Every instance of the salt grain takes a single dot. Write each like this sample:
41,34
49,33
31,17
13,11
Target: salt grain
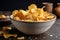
51,35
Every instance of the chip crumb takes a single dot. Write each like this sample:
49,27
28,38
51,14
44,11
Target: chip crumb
20,38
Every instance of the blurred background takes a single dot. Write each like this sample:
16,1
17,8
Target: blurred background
10,5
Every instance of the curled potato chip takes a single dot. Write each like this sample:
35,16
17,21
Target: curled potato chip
3,16
30,16
41,11
32,6
15,12
16,18
34,12
24,12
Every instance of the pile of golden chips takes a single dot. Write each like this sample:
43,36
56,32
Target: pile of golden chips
32,14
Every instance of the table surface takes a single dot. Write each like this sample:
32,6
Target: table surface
52,34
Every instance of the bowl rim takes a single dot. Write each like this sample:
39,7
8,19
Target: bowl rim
11,17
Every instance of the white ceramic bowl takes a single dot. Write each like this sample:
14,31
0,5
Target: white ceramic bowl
33,27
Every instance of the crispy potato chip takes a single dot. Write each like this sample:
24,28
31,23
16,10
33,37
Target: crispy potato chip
41,11
3,16
30,17
15,12
24,12
32,6
9,35
16,18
